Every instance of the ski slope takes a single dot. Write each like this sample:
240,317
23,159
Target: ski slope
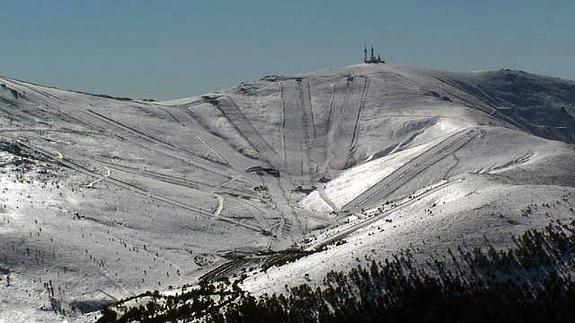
110,197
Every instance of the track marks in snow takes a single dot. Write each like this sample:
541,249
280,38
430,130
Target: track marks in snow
450,169
184,182
370,220
220,207
75,166
298,126
223,269
286,229
40,90
325,198
409,170
289,218
355,134
160,146
344,122
197,137
91,184
245,128
495,168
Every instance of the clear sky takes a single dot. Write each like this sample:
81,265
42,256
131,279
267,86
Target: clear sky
169,49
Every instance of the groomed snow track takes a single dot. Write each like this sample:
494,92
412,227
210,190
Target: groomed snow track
73,165
184,182
409,170
298,128
167,148
198,138
223,270
343,124
343,233
245,128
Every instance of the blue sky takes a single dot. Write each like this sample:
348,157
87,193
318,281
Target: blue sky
170,49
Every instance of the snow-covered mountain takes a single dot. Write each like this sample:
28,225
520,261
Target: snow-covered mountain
103,198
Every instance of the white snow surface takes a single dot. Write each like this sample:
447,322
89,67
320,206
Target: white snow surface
110,197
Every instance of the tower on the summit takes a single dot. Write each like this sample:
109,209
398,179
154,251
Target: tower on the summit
372,59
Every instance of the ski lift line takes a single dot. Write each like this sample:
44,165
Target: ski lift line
364,93
390,180
172,179
222,159
413,167
345,119
14,114
150,139
144,135
66,162
296,129
304,107
70,117
304,96
347,231
326,152
396,178
283,132
46,130
245,128
156,176
221,143
311,109
333,123
484,102
35,89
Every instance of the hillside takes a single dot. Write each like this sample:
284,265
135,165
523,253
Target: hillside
104,198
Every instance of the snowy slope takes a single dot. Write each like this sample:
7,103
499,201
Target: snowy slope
109,197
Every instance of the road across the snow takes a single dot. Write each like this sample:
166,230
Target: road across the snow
409,170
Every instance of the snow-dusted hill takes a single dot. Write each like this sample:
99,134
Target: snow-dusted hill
104,198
